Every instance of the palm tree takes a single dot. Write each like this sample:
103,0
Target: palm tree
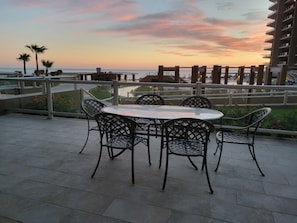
47,64
37,50
25,58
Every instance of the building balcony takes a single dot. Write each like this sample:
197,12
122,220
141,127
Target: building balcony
283,55
268,56
43,178
287,28
270,32
274,6
282,63
272,15
270,40
284,46
288,18
289,9
290,1
285,37
271,24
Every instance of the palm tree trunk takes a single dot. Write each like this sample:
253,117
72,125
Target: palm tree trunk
25,67
36,62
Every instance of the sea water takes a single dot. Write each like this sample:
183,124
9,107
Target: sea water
185,73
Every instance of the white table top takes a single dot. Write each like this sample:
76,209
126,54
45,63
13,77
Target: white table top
163,112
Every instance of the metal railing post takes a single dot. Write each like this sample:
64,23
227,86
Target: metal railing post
50,109
286,97
115,100
198,88
230,99
44,87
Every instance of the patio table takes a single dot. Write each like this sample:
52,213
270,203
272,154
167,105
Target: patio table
163,112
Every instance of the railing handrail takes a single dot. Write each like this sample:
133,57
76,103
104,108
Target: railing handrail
234,86
275,91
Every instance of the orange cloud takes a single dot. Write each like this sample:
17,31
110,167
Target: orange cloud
182,29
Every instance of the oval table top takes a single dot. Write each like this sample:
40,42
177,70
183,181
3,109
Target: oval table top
163,112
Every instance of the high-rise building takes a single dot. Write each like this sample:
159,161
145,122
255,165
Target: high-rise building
283,34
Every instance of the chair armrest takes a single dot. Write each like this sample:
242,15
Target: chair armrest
232,127
240,122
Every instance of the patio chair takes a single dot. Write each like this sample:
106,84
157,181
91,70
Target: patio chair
187,137
146,126
117,133
150,99
196,101
90,107
243,131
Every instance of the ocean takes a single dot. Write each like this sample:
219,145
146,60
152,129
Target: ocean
185,73
138,72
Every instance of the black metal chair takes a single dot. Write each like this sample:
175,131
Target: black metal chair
146,126
196,101
117,133
150,99
241,130
90,107
187,137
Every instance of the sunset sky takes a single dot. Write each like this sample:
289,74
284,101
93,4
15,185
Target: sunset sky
135,33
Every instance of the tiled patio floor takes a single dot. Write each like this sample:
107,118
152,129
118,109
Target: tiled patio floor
44,179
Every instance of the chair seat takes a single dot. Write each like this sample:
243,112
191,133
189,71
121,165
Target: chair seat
185,147
230,137
123,142
94,128
119,142
143,125
139,139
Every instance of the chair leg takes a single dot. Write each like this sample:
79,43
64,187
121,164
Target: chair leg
161,150
216,148
100,153
110,152
86,138
207,176
116,155
203,164
252,151
219,146
193,164
148,146
166,171
149,151
132,165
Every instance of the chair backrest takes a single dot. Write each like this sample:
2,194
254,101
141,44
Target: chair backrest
196,101
113,125
91,107
150,99
188,128
256,117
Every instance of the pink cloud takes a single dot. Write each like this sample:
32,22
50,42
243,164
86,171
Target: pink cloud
121,10
183,26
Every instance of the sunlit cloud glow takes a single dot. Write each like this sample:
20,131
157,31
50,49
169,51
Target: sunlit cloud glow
184,29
